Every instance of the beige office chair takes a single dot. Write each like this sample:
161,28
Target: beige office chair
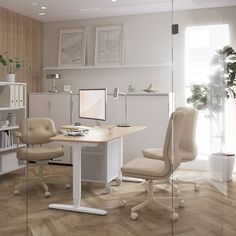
188,147
153,169
34,132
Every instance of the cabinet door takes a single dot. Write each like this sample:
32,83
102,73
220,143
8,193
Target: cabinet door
39,105
57,107
60,112
150,111
60,109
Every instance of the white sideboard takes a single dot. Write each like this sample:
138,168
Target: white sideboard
149,109
56,106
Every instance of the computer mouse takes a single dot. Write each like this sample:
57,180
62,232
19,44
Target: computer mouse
77,124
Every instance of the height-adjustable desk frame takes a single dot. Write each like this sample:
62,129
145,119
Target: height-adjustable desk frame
93,138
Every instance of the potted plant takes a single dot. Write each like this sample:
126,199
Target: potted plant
211,97
12,65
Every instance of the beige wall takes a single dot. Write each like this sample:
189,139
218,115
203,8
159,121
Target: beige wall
22,37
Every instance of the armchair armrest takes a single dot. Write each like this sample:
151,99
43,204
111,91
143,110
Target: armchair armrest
17,135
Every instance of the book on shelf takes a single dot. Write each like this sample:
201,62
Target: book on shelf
6,138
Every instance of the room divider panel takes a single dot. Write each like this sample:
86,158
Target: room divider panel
202,58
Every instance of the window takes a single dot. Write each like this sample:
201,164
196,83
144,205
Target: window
201,44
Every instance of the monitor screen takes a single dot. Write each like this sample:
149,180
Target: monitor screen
92,103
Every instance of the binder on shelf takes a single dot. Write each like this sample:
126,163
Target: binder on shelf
12,95
6,139
21,96
16,95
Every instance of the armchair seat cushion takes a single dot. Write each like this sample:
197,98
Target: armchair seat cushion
40,153
155,153
144,168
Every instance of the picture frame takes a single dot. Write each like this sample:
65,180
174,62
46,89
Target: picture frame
109,45
72,44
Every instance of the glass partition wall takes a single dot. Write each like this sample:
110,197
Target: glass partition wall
204,78
194,47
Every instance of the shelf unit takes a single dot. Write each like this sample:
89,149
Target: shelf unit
90,67
12,100
9,128
11,108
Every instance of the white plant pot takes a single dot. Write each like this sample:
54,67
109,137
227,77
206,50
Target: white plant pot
221,167
10,77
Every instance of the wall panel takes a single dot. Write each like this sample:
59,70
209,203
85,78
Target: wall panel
22,36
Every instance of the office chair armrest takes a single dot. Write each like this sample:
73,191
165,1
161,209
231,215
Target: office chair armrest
18,135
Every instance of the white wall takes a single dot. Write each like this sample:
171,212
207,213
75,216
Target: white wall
144,43
147,40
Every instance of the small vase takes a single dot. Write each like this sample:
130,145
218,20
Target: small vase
10,77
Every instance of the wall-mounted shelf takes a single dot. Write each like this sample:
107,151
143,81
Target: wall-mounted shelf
159,65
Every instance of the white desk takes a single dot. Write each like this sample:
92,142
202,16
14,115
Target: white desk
94,137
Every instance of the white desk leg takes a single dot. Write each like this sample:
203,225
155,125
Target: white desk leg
76,155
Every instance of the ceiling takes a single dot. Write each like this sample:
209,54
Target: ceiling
58,10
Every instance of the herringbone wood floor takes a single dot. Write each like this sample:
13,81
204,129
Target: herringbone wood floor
207,213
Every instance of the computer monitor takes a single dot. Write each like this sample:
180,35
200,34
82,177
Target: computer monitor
92,103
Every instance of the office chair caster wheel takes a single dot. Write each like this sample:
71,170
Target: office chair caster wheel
108,189
174,216
122,203
118,181
16,192
182,204
68,186
196,187
134,216
47,194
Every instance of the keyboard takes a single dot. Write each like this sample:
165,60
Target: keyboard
81,132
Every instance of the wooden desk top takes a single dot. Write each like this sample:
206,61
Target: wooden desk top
99,135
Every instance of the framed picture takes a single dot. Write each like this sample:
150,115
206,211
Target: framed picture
72,47
109,45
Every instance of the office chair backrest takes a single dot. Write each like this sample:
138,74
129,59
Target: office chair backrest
37,130
172,142
188,137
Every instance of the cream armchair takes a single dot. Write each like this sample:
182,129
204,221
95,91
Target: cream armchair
158,170
187,148
34,132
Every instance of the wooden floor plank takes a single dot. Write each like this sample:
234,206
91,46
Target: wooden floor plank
205,213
